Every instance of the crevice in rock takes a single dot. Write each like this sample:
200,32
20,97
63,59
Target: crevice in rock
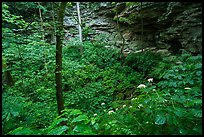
175,46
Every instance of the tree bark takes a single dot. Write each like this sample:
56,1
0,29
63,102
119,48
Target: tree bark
80,30
123,39
7,77
142,29
41,20
53,39
58,75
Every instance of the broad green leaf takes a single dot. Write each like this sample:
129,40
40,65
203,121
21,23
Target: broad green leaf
80,118
198,73
56,122
75,112
82,128
58,130
198,66
160,120
15,113
21,131
7,116
96,126
197,113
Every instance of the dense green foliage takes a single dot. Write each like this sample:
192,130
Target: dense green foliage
146,94
143,61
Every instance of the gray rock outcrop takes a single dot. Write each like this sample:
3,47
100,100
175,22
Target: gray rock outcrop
171,26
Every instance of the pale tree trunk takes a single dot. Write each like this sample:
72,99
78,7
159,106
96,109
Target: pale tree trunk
42,32
80,30
58,75
142,29
41,20
53,39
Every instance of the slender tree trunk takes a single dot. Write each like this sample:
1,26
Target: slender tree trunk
123,39
58,75
7,77
42,32
142,30
80,30
41,20
53,39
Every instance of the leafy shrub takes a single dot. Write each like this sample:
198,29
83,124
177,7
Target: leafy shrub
86,32
186,74
13,114
98,54
21,110
143,61
71,52
161,108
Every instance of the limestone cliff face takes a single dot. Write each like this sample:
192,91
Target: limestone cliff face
171,26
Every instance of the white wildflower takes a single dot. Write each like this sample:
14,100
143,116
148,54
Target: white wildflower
179,62
140,105
102,104
95,115
187,88
141,86
154,90
124,106
111,112
150,80
116,109
130,106
147,122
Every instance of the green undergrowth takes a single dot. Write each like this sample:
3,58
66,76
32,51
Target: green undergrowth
102,94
